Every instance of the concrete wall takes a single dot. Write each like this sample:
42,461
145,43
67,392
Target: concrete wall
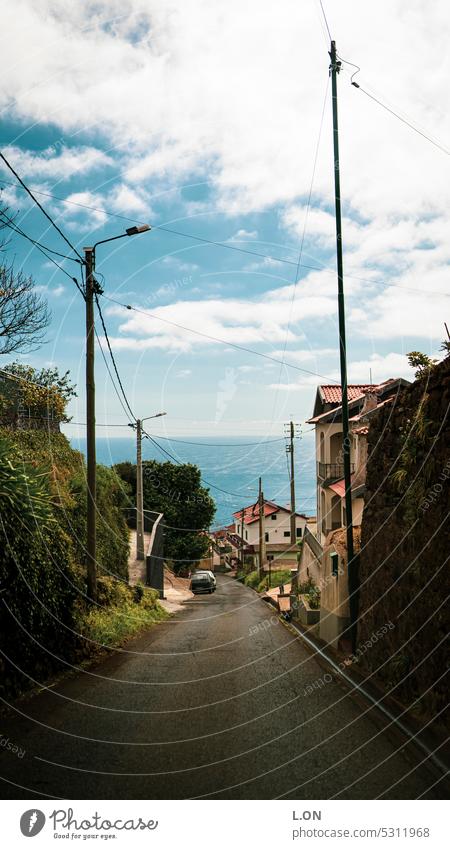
155,557
310,564
334,610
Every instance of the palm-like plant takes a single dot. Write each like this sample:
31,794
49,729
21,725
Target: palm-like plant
24,489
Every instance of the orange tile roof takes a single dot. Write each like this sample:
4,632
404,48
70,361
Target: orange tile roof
332,392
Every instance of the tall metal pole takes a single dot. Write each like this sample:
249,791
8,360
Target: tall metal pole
91,561
261,530
335,67
293,523
139,494
242,538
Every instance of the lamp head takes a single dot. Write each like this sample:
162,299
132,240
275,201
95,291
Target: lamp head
142,228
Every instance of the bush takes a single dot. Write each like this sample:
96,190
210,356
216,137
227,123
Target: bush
122,612
252,579
40,585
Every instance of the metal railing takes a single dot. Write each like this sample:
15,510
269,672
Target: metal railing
332,471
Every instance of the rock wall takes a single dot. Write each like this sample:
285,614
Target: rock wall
405,545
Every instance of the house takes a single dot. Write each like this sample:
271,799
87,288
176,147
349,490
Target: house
276,529
323,556
364,401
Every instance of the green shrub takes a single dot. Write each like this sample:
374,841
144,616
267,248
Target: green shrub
122,612
252,579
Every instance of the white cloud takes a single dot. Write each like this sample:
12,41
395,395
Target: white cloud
229,97
184,372
57,162
243,235
236,320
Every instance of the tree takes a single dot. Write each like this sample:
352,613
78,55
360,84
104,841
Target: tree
188,508
422,363
24,315
44,391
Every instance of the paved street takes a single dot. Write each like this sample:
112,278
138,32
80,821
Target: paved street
211,703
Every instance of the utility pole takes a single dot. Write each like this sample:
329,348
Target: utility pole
89,258
261,531
242,537
335,67
93,288
290,450
139,494
140,552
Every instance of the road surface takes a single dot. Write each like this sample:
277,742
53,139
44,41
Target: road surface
217,702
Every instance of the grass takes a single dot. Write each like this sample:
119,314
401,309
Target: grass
276,578
123,613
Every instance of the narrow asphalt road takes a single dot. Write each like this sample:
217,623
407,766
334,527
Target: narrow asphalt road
214,704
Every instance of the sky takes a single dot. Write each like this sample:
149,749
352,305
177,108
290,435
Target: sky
214,120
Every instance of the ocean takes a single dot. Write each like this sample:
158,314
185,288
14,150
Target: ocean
230,467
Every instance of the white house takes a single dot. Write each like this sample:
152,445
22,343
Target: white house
276,527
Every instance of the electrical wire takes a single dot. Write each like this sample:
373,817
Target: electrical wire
44,211
179,463
390,110
219,244
217,339
403,120
187,442
50,258
305,222
110,373
13,226
113,358
325,19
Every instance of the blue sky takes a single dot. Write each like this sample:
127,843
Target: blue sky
205,118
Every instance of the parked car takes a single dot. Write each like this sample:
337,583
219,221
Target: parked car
203,582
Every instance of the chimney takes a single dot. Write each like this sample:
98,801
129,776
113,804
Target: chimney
370,401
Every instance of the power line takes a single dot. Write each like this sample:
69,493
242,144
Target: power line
30,193
113,358
217,339
178,463
50,258
325,19
187,442
390,110
109,372
403,120
308,205
15,227
239,250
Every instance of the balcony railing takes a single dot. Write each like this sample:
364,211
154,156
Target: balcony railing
332,471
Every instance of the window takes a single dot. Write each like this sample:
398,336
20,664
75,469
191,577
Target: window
246,535
270,556
273,516
287,533
299,532
266,537
334,564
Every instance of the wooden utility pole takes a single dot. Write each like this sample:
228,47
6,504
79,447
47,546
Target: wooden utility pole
242,538
335,67
139,494
290,451
91,560
261,531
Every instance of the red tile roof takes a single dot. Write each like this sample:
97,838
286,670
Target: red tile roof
251,513
332,392
339,487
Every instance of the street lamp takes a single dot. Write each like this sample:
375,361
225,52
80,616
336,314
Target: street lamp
140,554
91,289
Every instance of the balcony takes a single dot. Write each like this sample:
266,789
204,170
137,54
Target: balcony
329,472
